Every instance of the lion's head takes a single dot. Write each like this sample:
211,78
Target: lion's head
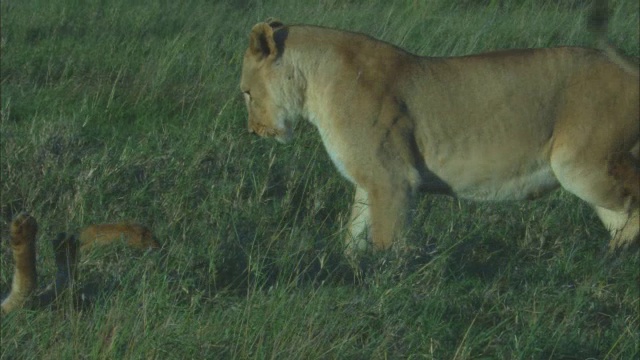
272,88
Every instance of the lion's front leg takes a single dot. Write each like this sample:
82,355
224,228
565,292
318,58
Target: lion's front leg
378,217
357,238
389,208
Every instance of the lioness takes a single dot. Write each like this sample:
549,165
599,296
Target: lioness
511,124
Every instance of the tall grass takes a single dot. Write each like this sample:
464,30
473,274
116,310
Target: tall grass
126,110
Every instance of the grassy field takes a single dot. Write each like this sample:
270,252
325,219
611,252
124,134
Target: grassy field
130,110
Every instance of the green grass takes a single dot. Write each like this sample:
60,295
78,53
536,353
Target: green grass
125,110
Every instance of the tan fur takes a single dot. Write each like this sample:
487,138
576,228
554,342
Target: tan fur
626,169
504,125
134,235
23,245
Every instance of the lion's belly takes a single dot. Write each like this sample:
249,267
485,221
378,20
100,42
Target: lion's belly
497,184
491,159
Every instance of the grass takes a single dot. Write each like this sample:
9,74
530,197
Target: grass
125,110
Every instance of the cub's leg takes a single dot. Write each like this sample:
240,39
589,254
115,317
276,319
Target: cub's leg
23,245
357,238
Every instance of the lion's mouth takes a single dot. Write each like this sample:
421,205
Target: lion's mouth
281,135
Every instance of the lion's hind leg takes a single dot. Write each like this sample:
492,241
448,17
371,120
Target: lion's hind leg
611,195
625,169
623,225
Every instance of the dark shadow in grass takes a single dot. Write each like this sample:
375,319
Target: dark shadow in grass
238,272
243,262
479,257
569,349
249,256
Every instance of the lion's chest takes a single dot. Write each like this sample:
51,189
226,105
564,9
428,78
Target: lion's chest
337,152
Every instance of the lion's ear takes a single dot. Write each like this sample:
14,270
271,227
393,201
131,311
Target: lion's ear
261,42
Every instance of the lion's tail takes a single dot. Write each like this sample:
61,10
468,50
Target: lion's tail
598,25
